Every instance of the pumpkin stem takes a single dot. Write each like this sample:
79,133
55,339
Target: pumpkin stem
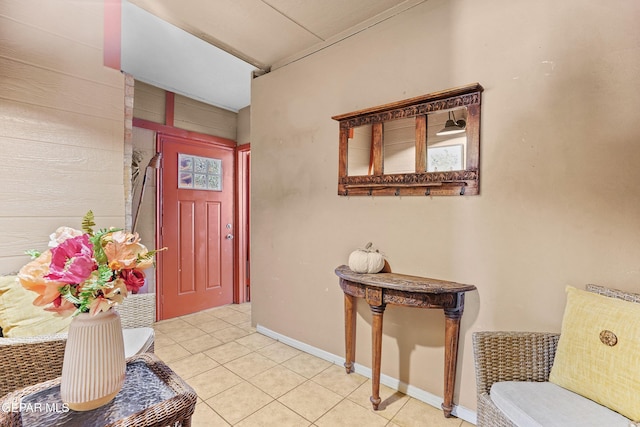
368,246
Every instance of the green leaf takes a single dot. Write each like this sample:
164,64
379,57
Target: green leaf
33,253
98,250
88,223
150,254
66,293
105,274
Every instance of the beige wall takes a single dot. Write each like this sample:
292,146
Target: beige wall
61,124
559,202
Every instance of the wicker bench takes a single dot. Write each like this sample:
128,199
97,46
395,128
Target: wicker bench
502,357
31,360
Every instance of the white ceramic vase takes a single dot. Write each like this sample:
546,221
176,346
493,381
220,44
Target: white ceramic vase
94,365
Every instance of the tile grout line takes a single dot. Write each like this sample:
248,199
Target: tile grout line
274,399
258,349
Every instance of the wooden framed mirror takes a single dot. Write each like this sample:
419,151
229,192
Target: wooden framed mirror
428,145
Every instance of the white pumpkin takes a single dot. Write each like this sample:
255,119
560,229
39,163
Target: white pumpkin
367,260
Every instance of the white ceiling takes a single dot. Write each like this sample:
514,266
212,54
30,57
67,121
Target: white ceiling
207,49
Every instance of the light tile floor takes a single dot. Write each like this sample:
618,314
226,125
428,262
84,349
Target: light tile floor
246,379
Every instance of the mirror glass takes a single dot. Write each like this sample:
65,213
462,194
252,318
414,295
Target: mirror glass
447,140
446,144
399,146
359,158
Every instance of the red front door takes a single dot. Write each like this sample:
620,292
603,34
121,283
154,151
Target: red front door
197,227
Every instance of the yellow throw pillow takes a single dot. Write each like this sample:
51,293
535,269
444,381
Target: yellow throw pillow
598,353
20,318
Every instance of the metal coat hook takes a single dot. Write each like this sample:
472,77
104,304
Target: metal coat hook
371,191
397,193
427,192
462,190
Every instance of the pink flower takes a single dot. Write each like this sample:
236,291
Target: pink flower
72,260
133,279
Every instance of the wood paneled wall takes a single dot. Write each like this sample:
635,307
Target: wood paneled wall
148,102
189,114
197,116
61,124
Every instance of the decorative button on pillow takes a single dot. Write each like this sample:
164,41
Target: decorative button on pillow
598,354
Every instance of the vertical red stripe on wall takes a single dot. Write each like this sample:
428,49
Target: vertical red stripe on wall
112,29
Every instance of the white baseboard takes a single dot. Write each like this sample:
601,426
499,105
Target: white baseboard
415,392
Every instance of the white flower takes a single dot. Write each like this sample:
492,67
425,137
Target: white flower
62,234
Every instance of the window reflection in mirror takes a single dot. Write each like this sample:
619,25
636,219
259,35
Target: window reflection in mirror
446,141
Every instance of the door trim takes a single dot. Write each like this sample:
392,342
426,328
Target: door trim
242,286
173,131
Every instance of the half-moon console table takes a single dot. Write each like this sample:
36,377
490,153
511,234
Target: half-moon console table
398,289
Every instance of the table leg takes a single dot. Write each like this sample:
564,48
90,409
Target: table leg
349,331
376,339
451,338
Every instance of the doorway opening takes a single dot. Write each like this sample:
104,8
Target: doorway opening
205,227
197,223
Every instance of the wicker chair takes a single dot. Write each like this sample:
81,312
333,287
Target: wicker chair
517,356
31,360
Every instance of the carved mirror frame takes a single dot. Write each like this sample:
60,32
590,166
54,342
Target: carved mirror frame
421,182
